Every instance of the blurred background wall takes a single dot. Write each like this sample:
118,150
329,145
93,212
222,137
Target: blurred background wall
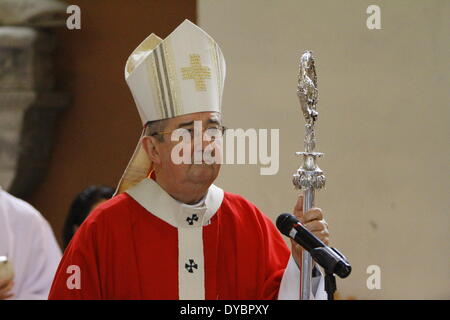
383,119
383,126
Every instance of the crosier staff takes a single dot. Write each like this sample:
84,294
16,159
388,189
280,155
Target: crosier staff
309,176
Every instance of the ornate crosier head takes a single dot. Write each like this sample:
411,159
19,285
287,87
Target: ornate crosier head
309,175
307,87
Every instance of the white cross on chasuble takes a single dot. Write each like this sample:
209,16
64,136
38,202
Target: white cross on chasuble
189,221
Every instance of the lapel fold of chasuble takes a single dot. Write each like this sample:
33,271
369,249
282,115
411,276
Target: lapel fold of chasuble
189,221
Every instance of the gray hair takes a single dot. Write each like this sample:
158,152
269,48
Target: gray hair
153,129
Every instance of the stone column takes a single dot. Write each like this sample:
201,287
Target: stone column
29,106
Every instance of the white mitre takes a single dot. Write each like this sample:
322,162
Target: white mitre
181,74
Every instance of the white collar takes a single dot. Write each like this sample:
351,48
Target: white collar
157,201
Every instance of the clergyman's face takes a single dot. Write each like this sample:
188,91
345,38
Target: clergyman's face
197,170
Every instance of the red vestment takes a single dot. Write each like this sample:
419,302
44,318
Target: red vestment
125,252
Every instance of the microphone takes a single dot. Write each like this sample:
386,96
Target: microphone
328,258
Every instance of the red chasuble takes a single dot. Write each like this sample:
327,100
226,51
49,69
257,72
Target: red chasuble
123,251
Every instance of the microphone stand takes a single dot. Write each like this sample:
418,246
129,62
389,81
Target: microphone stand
330,279
329,264
330,285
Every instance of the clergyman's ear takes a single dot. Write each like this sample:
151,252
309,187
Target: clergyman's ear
150,146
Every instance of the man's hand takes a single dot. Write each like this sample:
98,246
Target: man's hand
314,222
5,288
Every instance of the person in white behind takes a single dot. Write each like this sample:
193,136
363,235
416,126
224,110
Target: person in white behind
28,241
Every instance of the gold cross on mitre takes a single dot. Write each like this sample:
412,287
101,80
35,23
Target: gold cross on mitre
197,72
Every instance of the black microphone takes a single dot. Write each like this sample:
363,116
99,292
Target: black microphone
328,258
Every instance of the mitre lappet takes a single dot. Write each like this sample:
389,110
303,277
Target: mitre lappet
182,74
